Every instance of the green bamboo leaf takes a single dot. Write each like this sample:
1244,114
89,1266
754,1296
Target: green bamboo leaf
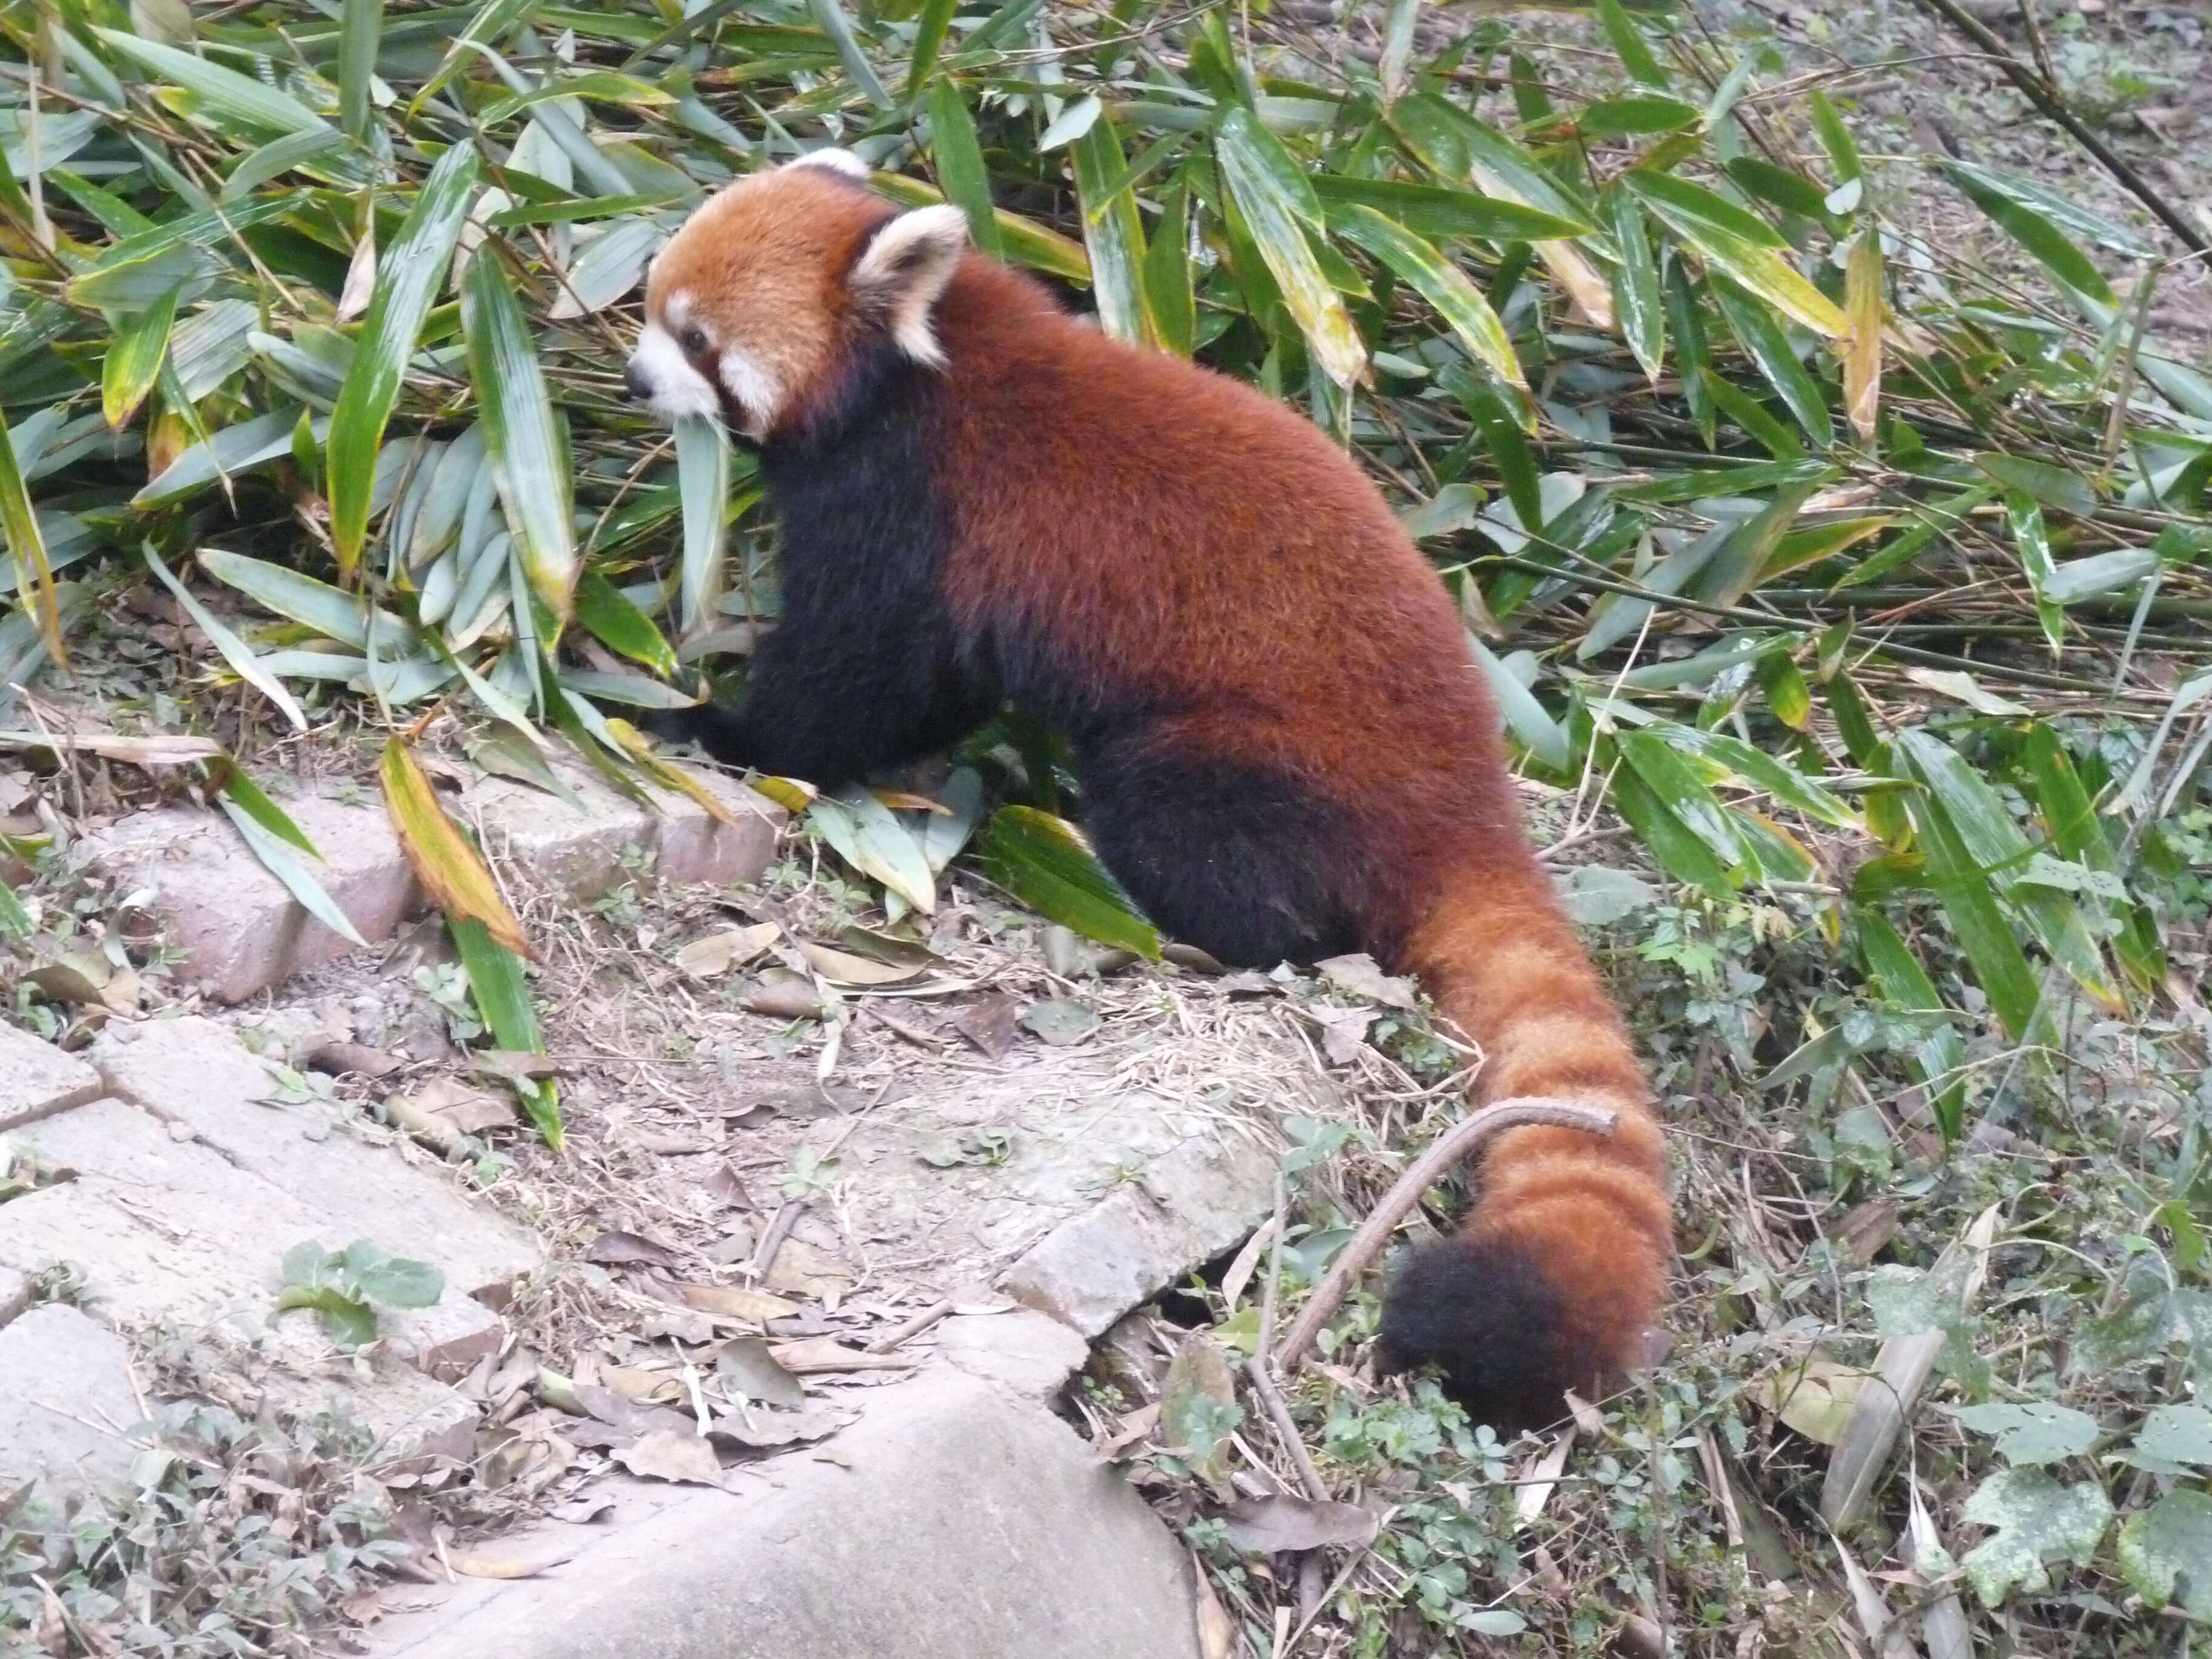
1941,1058
1680,851
235,651
1739,244
1836,138
321,144
1693,354
14,921
361,28
500,991
2078,832
1113,233
2048,205
702,466
331,611
1027,242
2053,486
1672,782
407,279
1962,886
1455,145
1621,118
1635,298
525,436
867,835
26,548
284,863
239,96
2032,227
1793,193
1044,862
929,27
1169,288
960,169
1434,211
2031,539
1761,771
1259,173
1528,720
1436,280
620,626
1629,44
1766,344
839,28
1499,414
134,359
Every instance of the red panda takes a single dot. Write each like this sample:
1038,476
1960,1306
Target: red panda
1285,749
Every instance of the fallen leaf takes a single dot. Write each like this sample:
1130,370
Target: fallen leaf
341,1058
1247,1262
990,1025
726,1184
762,1430
1362,976
745,1366
78,978
802,1269
1261,1525
781,995
1343,1030
843,968
1866,1229
620,1412
615,1248
1814,1397
734,1302
1199,1412
511,1557
717,953
671,1457
1217,1631
1058,1022
1134,1428
583,1508
444,1110
641,1387
818,1354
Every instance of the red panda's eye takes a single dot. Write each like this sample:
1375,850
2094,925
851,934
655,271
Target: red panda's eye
693,340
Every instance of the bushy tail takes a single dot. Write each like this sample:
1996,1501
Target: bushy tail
1556,1277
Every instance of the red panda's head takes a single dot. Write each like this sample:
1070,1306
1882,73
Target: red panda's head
757,298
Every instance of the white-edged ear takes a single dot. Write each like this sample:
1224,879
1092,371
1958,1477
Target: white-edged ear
904,270
842,162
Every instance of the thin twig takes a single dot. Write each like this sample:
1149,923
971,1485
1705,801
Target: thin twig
911,1328
1445,1152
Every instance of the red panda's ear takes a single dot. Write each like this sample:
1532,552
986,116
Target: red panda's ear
842,163
905,267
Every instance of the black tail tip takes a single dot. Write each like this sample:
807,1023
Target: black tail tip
1500,1333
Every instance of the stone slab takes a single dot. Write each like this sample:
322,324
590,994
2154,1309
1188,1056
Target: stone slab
955,1521
66,1402
241,932
37,1079
1185,1208
197,1075
171,1232
1032,1353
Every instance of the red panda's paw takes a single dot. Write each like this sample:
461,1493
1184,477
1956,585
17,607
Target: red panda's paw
1511,1323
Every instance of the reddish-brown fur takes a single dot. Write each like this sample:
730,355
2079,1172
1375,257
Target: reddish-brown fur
1185,540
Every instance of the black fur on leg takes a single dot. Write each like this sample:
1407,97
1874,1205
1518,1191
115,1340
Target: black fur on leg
1482,1312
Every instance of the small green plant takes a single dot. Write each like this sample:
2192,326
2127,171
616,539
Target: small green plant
345,1287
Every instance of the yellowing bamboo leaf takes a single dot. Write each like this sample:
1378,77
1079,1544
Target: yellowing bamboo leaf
1862,356
443,858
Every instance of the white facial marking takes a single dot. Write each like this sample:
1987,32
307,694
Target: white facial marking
752,387
837,161
676,388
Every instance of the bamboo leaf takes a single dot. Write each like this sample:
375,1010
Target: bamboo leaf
239,96
1044,862
1739,244
1629,44
839,28
1113,233
283,862
1169,288
702,466
1439,282
1636,296
329,611
867,836
361,28
2032,541
1940,1057
1758,334
525,436
442,858
500,991
27,547
235,651
134,359
616,623
1259,174
929,27
1863,355
960,169
413,268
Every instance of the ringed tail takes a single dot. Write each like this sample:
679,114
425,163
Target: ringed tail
1556,1277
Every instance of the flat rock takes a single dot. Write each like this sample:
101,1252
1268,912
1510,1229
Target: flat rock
37,1079
1185,1207
955,1521
66,1402
1030,1352
241,931
196,1075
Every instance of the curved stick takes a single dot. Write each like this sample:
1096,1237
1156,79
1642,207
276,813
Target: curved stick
1445,1150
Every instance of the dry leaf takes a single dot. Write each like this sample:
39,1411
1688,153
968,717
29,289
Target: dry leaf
1343,1030
819,1354
645,1388
1134,1428
615,1248
990,1025
1815,1398
444,860
843,968
1247,1262
745,1366
717,953
735,1301
510,1558
1058,1022
666,1455
1261,1525
805,1270
783,995
1217,1631
1361,975
762,1430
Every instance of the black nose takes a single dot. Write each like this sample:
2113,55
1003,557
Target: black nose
634,382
